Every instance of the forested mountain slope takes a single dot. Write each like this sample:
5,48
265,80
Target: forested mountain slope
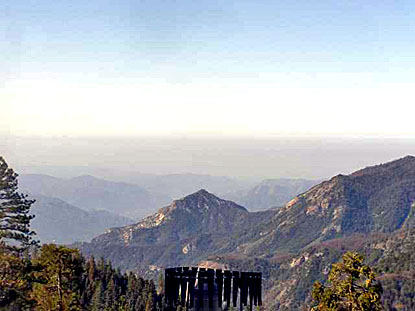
289,277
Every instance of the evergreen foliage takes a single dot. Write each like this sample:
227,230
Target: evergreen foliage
14,211
353,287
58,278
16,277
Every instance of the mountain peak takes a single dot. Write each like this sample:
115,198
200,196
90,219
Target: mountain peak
187,228
202,191
202,199
201,194
378,198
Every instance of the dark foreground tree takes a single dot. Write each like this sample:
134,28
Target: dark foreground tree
58,286
14,211
16,278
16,270
353,287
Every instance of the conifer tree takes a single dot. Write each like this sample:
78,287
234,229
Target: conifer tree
97,298
16,276
14,211
160,289
133,291
60,278
15,238
110,300
353,287
89,286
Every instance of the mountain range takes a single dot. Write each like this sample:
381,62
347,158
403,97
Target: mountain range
80,208
143,194
270,193
60,222
179,185
375,199
251,194
91,193
350,209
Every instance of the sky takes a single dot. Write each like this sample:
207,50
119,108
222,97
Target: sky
242,68
253,158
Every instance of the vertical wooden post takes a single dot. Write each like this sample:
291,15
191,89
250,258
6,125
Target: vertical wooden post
227,284
219,282
235,287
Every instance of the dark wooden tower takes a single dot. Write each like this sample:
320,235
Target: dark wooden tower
209,289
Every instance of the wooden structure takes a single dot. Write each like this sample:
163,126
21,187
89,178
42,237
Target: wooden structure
209,289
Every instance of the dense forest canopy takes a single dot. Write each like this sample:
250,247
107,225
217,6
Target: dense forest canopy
57,277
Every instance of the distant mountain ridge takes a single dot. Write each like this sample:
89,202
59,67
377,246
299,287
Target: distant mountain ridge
252,195
271,193
140,195
91,193
179,185
59,222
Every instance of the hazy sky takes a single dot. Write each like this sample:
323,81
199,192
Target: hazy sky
130,67
317,157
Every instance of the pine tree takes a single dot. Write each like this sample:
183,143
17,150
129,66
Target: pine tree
353,287
16,270
61,275
14,211
16,277
149,294
110,299
160,289
90,278
134,289
97,298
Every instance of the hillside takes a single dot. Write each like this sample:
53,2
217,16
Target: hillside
289,276
59,222
184,232
374,199
90,193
